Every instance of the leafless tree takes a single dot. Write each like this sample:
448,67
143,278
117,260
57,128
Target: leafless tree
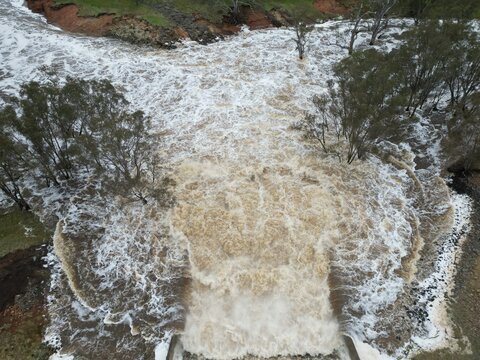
357,25
301,37
381,10
235,8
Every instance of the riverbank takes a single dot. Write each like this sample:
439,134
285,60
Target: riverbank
164,23
464,303
24,282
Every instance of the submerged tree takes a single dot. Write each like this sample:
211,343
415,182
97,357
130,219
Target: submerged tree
77,129
13,164
381,11
420,63
362,105
357,25
302,30
357,17
437,57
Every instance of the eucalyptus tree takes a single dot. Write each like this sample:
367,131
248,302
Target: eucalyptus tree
381,12
76,130
362,105
302,31
13,162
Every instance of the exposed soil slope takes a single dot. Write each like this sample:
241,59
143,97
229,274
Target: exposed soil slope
183,25
331,7
66,17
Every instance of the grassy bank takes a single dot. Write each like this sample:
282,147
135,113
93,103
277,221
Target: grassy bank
20,230
23,281
120,8
211,10
159,12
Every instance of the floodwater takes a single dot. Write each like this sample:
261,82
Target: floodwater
272,248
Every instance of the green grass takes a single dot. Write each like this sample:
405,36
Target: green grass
157,20
212,10
118,7
20,230
209,9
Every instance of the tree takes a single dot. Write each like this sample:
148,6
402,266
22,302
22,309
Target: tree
12,162
302,31
448,9
358,14
381,10
126,148
463,141
462,68
436,57
361,105
357,25
420,63
78,129
235,7
417,9
50,118
316,125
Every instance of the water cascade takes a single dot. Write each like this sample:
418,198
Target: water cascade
241,264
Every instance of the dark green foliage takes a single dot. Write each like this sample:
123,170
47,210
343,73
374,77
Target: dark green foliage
439,9
366,101
463,141
420,62
12,162
415,8
71,131
462,68
362,107
440,58
373,94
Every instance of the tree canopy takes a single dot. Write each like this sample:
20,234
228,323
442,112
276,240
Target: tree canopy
65,133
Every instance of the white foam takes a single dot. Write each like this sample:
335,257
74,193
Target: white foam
224,112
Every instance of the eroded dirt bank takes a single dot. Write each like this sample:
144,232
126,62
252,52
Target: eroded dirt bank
183,26
66,17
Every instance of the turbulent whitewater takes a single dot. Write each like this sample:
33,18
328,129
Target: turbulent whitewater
271,249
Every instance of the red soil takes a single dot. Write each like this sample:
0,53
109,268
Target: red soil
256,20
330,7
67,18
